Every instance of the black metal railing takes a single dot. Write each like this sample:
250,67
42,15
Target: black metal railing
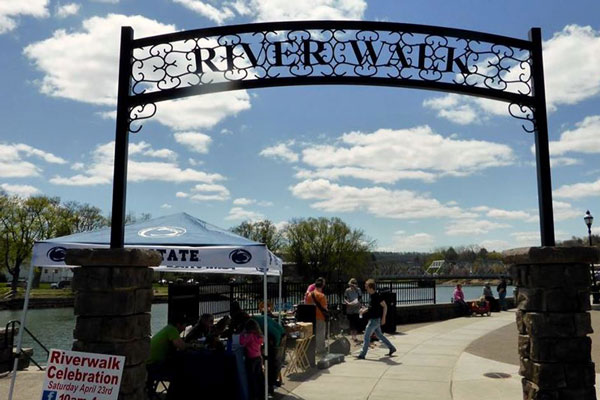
216,298
11,327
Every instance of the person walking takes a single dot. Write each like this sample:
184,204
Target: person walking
376,314
501,288
489,296
352,299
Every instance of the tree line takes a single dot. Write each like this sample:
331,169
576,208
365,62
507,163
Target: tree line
321,246
23,221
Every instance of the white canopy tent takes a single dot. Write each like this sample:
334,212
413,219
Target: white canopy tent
187,244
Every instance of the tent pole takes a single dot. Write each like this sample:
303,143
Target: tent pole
266,335
280,304
21,329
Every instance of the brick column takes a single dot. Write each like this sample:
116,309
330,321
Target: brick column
113,299
553,299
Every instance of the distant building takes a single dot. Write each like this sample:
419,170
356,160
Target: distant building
55,275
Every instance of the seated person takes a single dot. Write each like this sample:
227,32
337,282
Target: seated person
162,347
202,329
458,298
482,302
206,328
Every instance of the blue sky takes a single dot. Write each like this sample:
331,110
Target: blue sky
416,170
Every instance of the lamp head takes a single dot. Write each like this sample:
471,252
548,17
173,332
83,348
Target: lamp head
588,218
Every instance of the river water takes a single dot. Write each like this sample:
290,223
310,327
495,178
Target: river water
54,326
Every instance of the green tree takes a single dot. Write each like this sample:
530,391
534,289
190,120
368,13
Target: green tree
22,223
261,231
77,217
450,255
328,247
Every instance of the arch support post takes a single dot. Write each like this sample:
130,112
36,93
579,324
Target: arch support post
553,300
117,230
542,152
113,300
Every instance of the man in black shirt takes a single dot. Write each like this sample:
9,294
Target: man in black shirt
376,314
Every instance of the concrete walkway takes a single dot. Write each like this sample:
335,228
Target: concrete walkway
430,364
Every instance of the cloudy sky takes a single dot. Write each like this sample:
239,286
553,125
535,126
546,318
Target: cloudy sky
416,170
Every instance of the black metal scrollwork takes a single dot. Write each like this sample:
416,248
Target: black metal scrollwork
331,52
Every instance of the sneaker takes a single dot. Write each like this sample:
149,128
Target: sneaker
359,357
391,353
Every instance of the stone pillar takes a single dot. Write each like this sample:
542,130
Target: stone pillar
113,299
553,299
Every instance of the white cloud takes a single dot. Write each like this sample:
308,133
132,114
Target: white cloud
416,242
13,165
285,10
65,10
388,155
20,190
166,206
506,214
100,170
146,149
83,66
77,166
579,190
400,204
452,109
278,10
529,238
209,192
10,10
372,175
472,227
585,138
564,211
571,76
182,195
563,161
238,213
219,15
242,201
571,58
202,111
197,142
280,151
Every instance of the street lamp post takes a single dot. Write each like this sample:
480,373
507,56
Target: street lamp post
589,219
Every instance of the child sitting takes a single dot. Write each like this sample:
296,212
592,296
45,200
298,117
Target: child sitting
252,340
482,302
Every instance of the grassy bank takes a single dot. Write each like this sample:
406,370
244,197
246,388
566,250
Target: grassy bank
44,291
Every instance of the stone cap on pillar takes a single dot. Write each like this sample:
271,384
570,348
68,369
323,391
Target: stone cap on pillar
551,255
113,257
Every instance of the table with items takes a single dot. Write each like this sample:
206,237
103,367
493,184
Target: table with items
209,374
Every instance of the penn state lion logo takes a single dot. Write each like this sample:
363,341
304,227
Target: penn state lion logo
240,256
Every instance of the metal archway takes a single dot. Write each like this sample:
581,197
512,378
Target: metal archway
194,62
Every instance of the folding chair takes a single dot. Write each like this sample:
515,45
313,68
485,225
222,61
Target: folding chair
299,360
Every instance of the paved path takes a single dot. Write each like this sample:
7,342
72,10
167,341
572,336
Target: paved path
430,364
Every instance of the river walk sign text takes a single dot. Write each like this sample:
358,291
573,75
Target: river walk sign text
72,375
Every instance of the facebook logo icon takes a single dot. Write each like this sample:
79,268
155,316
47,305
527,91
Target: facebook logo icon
49,395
